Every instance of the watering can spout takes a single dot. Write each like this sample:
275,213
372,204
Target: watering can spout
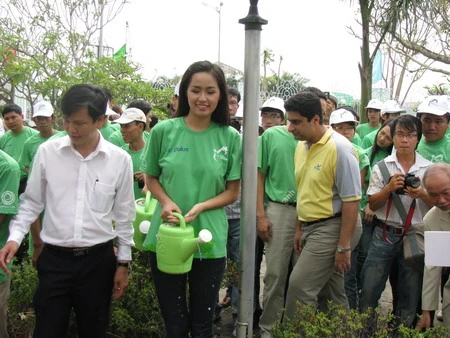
189,246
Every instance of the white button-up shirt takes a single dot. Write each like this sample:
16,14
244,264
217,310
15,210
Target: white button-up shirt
81,197
377,183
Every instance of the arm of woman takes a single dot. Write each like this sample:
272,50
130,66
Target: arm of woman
228,196
168,206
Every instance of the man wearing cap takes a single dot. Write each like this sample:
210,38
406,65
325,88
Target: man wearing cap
132,125
434,113
9,203
84,183
373,110
13,140
116,137
108,128
276,214
328,194
272,112
43,116
389,111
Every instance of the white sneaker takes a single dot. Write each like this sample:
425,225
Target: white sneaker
439,315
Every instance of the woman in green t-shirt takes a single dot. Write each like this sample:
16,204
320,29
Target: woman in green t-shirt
192,167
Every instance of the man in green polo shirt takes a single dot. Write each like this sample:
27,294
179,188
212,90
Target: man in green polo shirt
373,110
434,113
9,203
132,125
13,140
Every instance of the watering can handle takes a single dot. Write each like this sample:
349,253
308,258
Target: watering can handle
181,218
148,196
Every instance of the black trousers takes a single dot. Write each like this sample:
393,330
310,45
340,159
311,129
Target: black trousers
83,283
194,314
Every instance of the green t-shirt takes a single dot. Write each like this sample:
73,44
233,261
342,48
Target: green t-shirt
117,139
193,167
30,148
136,159
356,140
438,151
61,133
13,145
363,164
276,148
365,129
369,140
9,201
108,129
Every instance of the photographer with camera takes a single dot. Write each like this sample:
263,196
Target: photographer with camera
398,174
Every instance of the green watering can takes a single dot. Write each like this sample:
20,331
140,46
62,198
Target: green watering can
145,207
175,246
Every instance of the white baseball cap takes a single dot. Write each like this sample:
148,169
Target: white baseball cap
130,115
374,104
43,108
274,102
435,104
391,107
342,115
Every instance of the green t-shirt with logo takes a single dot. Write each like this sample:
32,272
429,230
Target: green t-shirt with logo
30,148
12,144
369,140
365,129
276,149
438,151
9,201
194,166
136,160
363,164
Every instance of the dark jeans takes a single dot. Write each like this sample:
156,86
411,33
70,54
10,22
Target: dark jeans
83,283
234,233
195,316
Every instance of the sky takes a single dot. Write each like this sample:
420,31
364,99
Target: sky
312,37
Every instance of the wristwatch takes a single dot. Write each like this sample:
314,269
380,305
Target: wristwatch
125,264
341,249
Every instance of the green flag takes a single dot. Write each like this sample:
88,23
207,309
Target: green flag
120,54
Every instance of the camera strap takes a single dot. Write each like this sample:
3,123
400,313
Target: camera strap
406,217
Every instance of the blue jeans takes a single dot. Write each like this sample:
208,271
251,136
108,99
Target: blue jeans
380,259
234,233
180,318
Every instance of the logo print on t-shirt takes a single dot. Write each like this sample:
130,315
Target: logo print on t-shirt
7,198
221,154
437,158
317,167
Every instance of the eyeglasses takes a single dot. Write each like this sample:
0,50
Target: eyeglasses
233,103
401,135
270,116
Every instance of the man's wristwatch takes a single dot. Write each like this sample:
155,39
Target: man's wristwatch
341,249
125,264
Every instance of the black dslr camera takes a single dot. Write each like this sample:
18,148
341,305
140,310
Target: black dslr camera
410,181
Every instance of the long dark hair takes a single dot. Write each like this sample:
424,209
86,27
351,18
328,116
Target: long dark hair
221,114
376,148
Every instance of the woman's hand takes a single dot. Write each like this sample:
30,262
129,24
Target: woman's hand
167,212
194,212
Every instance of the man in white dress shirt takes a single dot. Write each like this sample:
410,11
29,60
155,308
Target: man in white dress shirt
84,183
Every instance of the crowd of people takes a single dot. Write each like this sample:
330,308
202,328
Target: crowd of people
337,203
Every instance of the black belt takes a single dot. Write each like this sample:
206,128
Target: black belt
307,224
389,228
292,204
78,252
